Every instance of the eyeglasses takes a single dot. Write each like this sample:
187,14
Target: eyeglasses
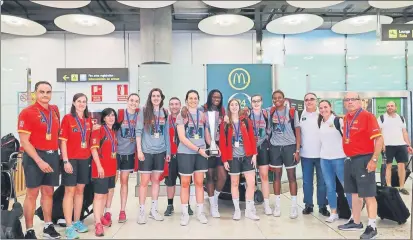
256,101
309,99
351,99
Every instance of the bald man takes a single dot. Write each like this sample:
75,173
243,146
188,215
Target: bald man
397,143
362,143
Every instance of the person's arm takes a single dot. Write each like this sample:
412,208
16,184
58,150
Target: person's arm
182,138
63,137
139,128
374,131
297,131
166,135
95,140
381,130
251,135
406,139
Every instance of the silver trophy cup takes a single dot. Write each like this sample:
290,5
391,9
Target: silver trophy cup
213,150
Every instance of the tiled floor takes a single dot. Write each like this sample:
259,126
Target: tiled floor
310,226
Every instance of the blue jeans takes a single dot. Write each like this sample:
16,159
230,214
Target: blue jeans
332,168
308,165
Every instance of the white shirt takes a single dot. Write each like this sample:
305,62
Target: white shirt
331,140
392,130
310,135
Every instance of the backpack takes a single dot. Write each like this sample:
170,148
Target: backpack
9,145
382,118
244,120
292,118
336,124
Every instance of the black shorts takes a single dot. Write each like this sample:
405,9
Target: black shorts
240,165
282,155
102,185
34,176
356,177
126,162
214,162
400,153
80,175
152,163
170,180
263,157
190,163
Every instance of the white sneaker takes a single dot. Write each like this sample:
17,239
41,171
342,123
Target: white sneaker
155,215
277,211
202,218
267,210
141,218
184,219
214,211
250,213
332,218
237,215
294,212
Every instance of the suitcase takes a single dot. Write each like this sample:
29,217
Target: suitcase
343,208
11,227
395,174
390,205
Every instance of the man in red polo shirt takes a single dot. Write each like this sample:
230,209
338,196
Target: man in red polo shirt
38,129
362,143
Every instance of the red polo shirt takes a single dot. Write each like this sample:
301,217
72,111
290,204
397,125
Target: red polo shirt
362,134
102,143
70,132
31,121
172,126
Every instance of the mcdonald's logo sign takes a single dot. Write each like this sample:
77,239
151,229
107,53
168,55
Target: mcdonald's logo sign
239,79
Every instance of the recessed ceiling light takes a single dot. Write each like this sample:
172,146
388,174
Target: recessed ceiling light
360,24
296,23
20,26
230,4
84,24
147,4
352,57
63,4
398,57
390,4
313,4
225,24
372,67
308,58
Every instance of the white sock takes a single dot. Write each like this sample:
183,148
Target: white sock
142,208
47,224
278,200
212,201
200,208
372,223
236,204
216,195
250,204
266,202
107,210
294,200
185,208
154,206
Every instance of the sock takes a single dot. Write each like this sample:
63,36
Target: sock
154,205
335,215
372,223
185,208
47,224
250,204
278,200
107,210
199,208
236,204
142,208
266,202
294,200
216,195
212,201
170,201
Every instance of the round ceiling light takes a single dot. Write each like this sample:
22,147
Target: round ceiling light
84,24
231,4
63,4
390,4
20,26
225,24
313,4
147,4
296,23
360,24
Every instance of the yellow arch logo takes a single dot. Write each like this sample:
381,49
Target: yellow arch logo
239,79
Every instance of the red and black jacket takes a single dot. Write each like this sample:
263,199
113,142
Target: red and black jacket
225,139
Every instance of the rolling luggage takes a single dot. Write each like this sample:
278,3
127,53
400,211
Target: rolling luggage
11,227
390,205
343,209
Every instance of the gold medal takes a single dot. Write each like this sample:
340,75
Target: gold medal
156,135
113,155
48,136
196,136
83,145
347,141
132,140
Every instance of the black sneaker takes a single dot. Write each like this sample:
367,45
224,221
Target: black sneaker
350,226
169,210
50,232
30,235
307,210
190,212
404,191
369,233
324,212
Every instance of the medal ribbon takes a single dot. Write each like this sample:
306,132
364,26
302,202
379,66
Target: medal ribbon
82,128
49,122
131,130
349,125
110,137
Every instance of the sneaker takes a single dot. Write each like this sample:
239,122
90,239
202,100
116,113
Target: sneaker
404,191
30,235
122,217
214,211
50,232
184,219
333,217
277,211
99,230
169,210
80,227
108,216
307,210
369,233
190,212
267,210
105,222
71,233
202,218
141,217
324,212
237,215
251,214
294,212
350,226
155,215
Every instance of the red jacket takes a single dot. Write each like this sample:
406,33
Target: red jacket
225,145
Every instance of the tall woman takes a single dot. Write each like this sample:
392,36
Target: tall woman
75,136
104,146
192,159
332,155
152,139
239,154
126,148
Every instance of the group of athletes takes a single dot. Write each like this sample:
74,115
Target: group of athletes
170,143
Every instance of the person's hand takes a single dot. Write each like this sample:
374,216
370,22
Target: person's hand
297,157
101,172
141,157
226,119
96,127
68,168
202,152
254,161
226,166
168,158
371,166
45,167
184,112
410,149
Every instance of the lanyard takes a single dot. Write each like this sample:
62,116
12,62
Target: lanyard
110,138
131,130
282,126
256,129
196,126
237,131
49,122
349,125
157,119
82,128
172,122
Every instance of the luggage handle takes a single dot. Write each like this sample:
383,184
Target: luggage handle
410,161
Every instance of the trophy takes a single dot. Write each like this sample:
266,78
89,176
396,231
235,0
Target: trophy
213,150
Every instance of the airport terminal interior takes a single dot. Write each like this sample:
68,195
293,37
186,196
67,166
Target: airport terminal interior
341,51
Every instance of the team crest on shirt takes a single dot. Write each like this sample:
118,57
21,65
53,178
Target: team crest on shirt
75,130
355,121
21,123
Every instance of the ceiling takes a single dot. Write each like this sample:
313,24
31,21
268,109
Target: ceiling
187,14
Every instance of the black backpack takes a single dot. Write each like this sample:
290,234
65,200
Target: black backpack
9,145
336,124
382,118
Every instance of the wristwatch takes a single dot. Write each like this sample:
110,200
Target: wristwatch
65,161
374,159
298,150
